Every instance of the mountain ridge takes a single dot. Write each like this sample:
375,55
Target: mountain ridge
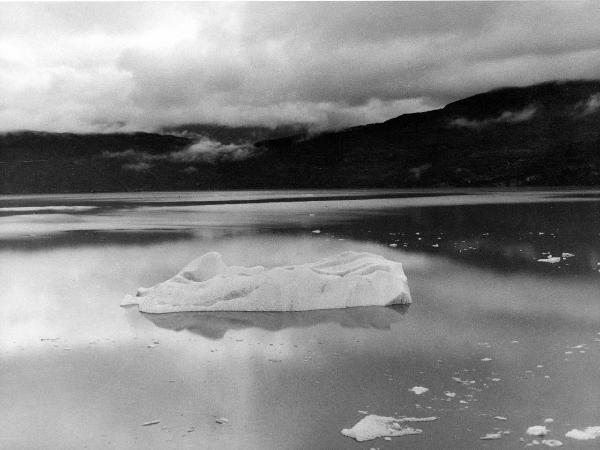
546,134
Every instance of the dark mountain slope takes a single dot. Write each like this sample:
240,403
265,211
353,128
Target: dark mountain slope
547,134
542,135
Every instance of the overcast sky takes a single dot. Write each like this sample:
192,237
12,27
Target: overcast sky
138,66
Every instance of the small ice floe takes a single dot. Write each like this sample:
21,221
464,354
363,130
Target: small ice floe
418,390
548,420
566,255
500,417
584,435
222,421
552,443
491,436
49,339
461,381
394,245
435,245
486,359
537,430
151,422
373,426
363,412
550,259
450,394
316,231
579,346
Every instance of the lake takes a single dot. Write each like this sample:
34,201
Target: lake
504,329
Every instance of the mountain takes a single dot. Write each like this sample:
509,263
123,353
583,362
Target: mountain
542,135
546,134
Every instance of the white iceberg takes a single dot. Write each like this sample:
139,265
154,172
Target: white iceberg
373,426
584,435
550,259
538,430
418,390
347,280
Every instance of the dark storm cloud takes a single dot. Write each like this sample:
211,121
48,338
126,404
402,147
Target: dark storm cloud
100,66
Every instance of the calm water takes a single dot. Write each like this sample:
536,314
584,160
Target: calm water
78,371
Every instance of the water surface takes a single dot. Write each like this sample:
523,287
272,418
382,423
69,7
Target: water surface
78,371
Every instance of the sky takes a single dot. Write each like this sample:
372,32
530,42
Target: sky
105,67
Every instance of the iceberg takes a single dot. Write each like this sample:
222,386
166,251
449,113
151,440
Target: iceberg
346,280
374,426
584,435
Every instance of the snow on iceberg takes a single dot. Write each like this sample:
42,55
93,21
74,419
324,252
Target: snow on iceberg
347,280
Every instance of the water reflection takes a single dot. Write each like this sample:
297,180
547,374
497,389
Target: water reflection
76,238
506,231
214,325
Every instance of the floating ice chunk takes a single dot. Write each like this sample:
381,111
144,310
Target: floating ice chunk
500,417
584,435
450,394
550,259
152,422
347,280
418,390
491,436
222,421
486,359
316,231
566,255
461,381
548,420
373,426
537,430
552,443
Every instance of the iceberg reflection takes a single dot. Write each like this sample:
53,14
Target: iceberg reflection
214,325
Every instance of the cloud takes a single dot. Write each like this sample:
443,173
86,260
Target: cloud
203,151
207,150
590,106
138,167
506,117
142,66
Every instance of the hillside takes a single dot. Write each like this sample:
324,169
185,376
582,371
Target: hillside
547,134
542,135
